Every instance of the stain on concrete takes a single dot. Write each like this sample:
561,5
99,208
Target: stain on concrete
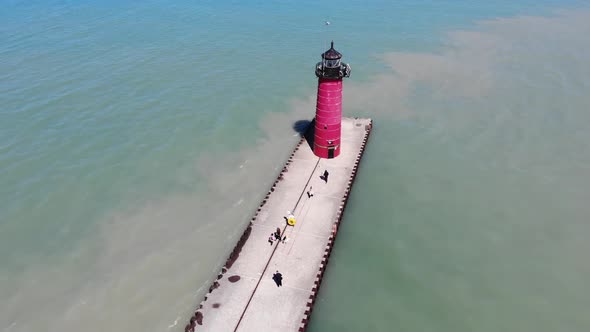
233,279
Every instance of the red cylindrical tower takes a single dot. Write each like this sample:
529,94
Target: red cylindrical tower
328,114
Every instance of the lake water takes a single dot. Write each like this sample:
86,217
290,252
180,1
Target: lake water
137,138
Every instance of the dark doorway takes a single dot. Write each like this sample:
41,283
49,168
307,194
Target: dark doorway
331,152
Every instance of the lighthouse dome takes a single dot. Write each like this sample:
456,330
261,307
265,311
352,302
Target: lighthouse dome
330,67
331,54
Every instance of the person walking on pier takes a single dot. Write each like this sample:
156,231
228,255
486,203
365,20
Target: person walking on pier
278,278
271,239
310,192
278,234
325,176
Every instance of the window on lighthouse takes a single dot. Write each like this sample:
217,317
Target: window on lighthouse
333,63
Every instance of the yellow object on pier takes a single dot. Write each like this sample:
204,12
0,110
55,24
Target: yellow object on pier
291,221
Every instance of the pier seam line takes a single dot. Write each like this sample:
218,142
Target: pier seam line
306,184
273,252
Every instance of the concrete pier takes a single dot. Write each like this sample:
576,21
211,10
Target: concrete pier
244,297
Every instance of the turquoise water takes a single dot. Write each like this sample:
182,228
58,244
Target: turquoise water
136,139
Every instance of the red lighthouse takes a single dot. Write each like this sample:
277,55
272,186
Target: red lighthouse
328,114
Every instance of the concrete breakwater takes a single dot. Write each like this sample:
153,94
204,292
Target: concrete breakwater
244,296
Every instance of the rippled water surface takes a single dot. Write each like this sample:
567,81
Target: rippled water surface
136,140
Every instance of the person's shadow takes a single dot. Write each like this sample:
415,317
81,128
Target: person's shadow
278,279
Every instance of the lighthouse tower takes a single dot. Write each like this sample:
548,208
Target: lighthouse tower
328,114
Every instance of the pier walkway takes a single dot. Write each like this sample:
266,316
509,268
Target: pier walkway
245,297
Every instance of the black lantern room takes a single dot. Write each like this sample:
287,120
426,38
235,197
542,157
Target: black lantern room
330,67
